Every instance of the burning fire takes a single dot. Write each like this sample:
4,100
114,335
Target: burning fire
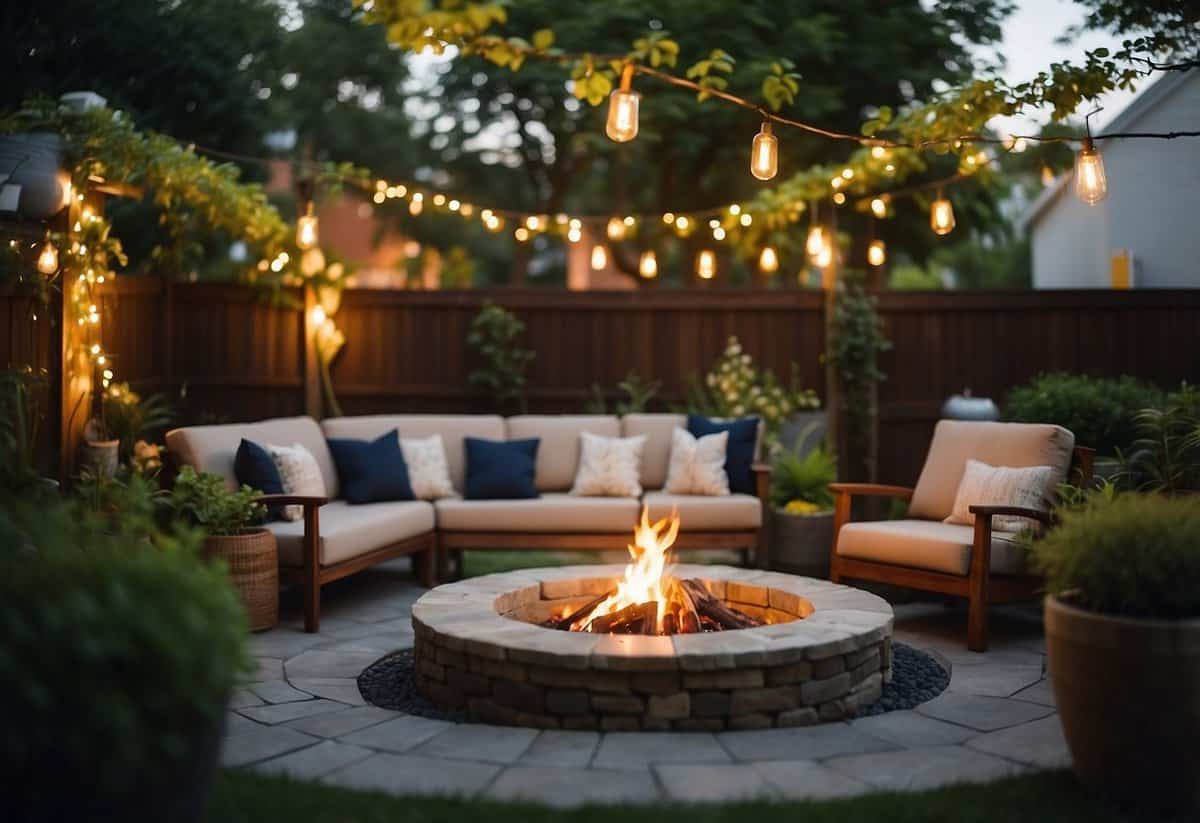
646,580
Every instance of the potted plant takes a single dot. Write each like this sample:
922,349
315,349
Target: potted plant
230,521
801,517
130,417
118,661
1123,641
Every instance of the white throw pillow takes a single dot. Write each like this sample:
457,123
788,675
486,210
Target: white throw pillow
985,485
609,466
428,471
697,466
299,474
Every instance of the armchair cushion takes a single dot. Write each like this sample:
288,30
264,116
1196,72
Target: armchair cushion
999,444
1027,488
926,544
348,531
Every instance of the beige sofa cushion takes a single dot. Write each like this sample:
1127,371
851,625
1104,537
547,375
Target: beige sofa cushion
997,444
558,451
452,427
212,448
924,544
697,513
548,513
656,457
349,531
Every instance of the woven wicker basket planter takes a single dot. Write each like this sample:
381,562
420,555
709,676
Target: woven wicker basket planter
253,560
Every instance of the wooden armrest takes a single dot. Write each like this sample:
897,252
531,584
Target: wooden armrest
760,467
871,490
290,500
1014,511
762,481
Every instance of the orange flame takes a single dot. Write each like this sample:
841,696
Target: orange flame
645,578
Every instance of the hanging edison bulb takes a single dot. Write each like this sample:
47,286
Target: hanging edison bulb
764,153
306,228
616,229
815,242
876,253
47,262
941,215
599,257
1091,184
648,264
622,125
768,260
706,264
824,258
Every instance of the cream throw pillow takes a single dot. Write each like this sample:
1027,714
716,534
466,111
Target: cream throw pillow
984,485
609,466
299,474
697,466
428,471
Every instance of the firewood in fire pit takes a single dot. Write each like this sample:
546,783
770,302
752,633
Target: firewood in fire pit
640,618
709,606
580,613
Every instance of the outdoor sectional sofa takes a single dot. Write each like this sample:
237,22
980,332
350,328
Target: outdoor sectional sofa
336,538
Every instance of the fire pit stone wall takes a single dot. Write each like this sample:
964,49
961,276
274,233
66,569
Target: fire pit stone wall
825,652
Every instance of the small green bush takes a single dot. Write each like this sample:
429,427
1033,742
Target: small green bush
117,656
804,478
496,335
1166,455
1100,412
1130,554
202,500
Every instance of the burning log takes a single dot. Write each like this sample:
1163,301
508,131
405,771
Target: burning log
640,618
579,614
708,606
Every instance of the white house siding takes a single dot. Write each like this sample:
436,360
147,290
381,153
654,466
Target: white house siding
1152,209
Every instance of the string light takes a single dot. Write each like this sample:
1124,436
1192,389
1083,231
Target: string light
599,257
318,316
768,260
824,258
706,264
532,222
764,153
47,262
574,235
616,229
522,234
876,253
839,199
669,218
879,207
1091,184
815,242
416,205
746,219
718,233
682,223
941,215
439,200
648,265
622,125
306,228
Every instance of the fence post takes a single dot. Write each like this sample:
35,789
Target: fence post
312,369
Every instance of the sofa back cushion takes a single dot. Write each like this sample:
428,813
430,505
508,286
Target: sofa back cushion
997,444
656,456
452,427
213,448
558,454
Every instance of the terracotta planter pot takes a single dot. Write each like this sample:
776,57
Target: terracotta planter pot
799,544
253,560
1128,692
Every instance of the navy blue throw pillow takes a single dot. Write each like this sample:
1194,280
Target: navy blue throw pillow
739,451
254,467
500,469
371,471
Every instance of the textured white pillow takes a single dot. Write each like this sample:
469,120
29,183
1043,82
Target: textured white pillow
697,466
985,485
609,466
299,474
428,472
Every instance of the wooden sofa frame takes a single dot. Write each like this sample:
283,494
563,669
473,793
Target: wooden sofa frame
980,587
430,551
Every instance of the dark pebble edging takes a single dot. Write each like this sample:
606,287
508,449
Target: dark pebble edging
390,683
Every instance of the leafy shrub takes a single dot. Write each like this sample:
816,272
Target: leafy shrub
736,387
20,416
202,500
117,655
1129,554
1166,455
1100,412
637,392
495,333
858,340
130,417
804,478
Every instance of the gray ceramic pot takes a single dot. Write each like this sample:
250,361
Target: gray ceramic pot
800,544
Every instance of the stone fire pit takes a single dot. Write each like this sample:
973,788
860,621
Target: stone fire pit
825,652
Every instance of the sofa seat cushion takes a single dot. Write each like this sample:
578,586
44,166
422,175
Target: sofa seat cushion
348,531
699,513
926,544
549,513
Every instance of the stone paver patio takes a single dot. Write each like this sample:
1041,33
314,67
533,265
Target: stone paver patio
301,715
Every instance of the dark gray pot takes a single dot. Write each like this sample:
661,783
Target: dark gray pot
800,544
33,161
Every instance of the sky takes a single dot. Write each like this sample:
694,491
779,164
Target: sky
1029,46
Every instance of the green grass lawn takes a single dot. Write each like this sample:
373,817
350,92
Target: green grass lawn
476,563
1048,797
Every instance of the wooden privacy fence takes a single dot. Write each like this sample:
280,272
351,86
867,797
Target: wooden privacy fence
225,355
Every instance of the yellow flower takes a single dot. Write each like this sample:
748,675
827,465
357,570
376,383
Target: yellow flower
801,507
